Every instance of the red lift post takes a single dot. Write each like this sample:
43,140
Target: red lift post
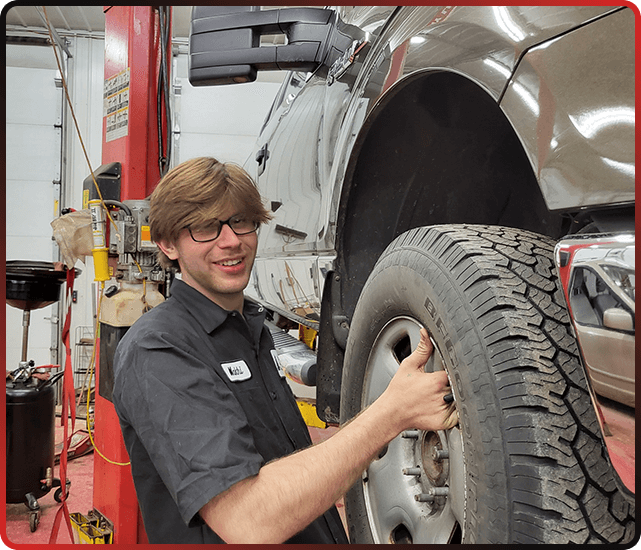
130,136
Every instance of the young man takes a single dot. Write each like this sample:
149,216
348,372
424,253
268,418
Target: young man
218,449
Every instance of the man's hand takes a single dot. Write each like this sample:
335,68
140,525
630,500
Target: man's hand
418,395
274,505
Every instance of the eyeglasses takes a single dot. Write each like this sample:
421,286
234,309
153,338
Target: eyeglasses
210,232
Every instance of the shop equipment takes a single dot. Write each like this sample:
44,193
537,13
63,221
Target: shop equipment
31,402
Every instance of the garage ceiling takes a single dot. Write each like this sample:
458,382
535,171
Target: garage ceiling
90,19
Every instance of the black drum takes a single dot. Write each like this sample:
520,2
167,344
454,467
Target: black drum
31,402
30,438
33,285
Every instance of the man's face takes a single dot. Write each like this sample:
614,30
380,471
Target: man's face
219,269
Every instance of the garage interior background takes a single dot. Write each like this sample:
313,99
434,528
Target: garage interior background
45,165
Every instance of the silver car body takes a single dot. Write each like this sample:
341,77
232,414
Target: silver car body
562,76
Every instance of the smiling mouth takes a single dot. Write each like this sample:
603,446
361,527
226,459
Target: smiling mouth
229,263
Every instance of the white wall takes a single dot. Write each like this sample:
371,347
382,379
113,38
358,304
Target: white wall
85,81
221,121
216,121
32,152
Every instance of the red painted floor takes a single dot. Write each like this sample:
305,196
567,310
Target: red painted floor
621,445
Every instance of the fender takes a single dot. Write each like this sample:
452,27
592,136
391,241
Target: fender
520,39
488,66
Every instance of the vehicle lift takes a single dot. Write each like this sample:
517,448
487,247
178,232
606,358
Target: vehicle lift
135,126
136,54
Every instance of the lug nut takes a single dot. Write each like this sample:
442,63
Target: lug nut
440,454
424,497
439,491
410,434
411,471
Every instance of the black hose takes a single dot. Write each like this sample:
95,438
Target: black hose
121,205
164,159
166,80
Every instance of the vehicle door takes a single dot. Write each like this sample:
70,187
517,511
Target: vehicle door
293,160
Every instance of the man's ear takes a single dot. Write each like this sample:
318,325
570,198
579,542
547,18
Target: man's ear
169,249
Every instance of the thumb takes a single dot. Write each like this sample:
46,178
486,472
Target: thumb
451,418
422,353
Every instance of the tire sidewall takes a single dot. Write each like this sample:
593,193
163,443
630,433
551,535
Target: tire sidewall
412,283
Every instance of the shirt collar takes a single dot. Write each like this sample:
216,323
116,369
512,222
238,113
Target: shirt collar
209,314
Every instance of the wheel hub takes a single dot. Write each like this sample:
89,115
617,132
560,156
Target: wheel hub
413,491
434,459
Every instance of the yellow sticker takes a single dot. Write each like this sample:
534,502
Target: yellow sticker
85,199
145,233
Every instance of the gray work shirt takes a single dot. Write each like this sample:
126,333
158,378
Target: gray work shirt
203,405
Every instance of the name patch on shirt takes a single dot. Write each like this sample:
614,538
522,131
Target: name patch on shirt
237,371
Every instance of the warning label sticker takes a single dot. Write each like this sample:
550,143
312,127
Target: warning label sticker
116,105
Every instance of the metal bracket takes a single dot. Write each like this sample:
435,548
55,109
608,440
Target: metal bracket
340,328
62,43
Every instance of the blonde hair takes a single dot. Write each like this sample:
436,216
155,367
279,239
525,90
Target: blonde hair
197,191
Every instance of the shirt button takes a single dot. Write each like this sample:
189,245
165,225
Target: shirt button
272,394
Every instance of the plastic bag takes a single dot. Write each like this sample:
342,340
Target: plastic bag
73,234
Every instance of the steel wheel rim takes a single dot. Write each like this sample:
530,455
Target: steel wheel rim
390,487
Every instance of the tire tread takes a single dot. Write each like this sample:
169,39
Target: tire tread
560,484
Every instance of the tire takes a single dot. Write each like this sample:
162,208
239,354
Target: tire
57,496
34,521
527,463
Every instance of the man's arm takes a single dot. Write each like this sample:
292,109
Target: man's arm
289,493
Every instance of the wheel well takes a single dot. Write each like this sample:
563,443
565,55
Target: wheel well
437,150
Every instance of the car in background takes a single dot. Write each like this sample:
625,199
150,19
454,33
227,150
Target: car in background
601,296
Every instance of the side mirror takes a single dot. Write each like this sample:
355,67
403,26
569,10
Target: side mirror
618,319
224,42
